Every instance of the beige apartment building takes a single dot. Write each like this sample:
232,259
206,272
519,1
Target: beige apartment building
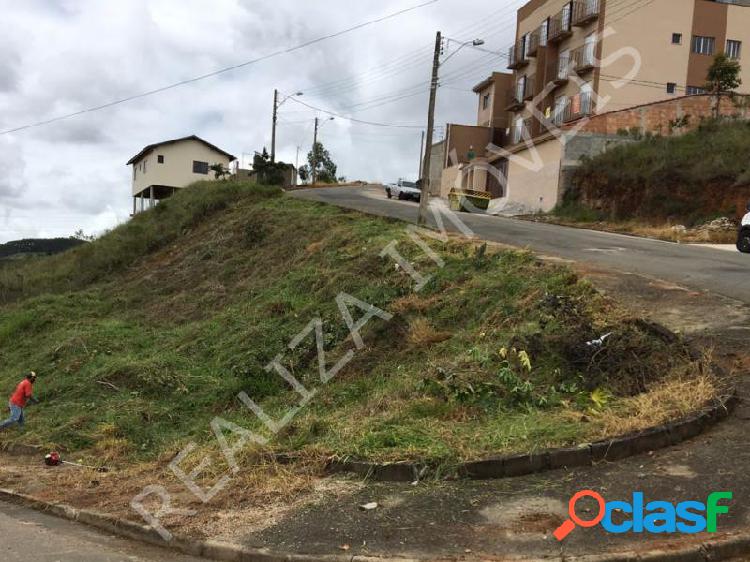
162,168
577,59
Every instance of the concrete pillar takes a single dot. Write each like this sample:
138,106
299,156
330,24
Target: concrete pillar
141,195
134,204
151,197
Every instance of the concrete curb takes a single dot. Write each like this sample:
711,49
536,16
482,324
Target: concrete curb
211,549
618,448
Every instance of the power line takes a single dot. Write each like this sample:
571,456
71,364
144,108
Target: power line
220,71
352,119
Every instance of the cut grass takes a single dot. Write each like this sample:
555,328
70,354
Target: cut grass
139,348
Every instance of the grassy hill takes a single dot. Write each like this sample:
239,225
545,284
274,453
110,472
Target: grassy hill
687,179
142,337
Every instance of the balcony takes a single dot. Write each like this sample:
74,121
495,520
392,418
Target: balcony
533,43
521,131
517,57
528,89
560,26
514,100
578,106
559,69
585,11
582,59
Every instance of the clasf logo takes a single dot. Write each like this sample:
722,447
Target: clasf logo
653,517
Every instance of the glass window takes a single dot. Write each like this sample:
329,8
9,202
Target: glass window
734,49
160,159
671,87
200,167
677,39
703,45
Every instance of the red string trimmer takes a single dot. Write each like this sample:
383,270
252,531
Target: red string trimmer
54,459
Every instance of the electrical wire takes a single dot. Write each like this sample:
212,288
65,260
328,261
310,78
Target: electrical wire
219,71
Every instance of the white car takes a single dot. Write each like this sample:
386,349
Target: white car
743,236
403,190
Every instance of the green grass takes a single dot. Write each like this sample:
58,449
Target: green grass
690,178
142,337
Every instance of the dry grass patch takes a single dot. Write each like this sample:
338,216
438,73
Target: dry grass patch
423,334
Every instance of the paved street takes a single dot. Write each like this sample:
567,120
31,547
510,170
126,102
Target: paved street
698,267
30,536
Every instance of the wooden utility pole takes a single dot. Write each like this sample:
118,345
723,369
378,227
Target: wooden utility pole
273,129
421,155
314,171
425,175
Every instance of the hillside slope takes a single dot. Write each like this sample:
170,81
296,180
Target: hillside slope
142,337
691,178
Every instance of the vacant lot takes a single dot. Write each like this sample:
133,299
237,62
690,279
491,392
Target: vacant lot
144,336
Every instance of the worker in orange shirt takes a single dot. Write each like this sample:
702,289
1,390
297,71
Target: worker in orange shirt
23,394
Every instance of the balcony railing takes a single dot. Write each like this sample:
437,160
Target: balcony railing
520,131
583,58
517,56
528,90
559,69
533,42
578,106
514,99
585,11
560,25
522,91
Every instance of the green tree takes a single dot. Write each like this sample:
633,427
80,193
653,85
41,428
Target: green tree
723,78
220,172
320,160
267,172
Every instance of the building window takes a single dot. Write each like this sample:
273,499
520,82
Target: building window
160,159
734,49
704,45
144,166
543,31
200,167
695,90
671,87
677,39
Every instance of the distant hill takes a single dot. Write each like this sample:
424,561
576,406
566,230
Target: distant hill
46,246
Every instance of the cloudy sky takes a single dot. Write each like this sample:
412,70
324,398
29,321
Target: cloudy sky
62,56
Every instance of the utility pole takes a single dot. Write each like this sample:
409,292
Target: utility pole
273,129
421,155
314,171
423,202
296,168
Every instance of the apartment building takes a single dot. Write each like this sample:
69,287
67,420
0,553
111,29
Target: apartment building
573,59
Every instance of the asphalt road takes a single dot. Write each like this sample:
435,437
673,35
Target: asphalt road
709,269
30,536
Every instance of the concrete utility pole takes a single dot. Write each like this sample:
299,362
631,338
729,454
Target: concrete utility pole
273,129
296,169
425,175
313,172
421,155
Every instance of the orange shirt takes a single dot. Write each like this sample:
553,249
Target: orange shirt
22,394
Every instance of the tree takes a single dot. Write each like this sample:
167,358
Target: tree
723,77
267,172
319,159
220,172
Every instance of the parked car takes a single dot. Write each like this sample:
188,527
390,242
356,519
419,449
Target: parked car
743,237
403,190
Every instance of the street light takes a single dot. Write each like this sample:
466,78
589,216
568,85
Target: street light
425,179
276,105
472,43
